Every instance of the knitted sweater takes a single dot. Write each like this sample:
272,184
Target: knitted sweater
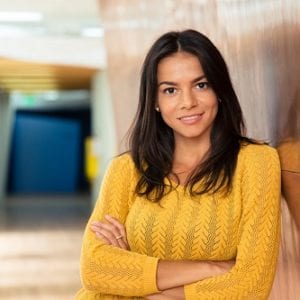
243,225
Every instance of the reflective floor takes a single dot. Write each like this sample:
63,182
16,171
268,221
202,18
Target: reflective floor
40,240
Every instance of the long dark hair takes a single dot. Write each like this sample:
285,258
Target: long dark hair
152,141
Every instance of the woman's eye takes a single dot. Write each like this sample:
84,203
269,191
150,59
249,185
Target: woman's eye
169,91
202,85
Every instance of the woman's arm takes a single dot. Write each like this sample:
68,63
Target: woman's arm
179,273
108,267
170,294
257,251
110,270
170,274
185,272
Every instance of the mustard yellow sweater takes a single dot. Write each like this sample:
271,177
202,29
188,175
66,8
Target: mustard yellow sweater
244,226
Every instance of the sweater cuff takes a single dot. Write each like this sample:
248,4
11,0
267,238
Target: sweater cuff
150,269
189,291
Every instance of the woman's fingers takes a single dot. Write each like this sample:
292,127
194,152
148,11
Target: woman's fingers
123,244
114,232
118,225
102,237
111,232
105,234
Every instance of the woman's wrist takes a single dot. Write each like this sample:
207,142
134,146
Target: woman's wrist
216,268
172,274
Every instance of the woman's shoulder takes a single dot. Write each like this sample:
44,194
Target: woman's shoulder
258,162
122,162
258,152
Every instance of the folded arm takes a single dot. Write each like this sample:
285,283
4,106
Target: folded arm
171,275
253,274
106,269
110,268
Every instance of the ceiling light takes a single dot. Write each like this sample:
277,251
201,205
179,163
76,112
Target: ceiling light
20,16
95,32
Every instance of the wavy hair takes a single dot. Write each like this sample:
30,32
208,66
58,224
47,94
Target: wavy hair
151,141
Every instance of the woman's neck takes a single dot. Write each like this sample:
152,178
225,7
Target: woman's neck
189,154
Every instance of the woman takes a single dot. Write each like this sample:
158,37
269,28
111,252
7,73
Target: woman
192,210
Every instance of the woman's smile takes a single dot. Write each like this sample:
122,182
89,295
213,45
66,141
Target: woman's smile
191,119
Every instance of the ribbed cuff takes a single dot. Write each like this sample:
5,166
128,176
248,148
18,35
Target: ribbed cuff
150,269
189,292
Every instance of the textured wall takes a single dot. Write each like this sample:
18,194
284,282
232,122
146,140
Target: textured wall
260,41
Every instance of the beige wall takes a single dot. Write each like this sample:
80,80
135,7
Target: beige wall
257,38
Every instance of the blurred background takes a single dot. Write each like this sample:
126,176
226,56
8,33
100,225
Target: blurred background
69,77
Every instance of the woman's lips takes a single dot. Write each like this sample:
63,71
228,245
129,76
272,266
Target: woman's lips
191,119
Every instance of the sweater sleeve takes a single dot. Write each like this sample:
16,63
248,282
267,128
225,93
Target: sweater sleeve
259,233
106,269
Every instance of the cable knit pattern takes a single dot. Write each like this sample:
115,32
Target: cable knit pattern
243,225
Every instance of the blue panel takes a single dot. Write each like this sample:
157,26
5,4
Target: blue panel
46,154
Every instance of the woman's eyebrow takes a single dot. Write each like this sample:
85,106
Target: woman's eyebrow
175,84
168,83
199,78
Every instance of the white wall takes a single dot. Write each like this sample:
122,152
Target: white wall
86,52
103,125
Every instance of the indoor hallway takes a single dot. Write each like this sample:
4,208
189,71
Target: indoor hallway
40,240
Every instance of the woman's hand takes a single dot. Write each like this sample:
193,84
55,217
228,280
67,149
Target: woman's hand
170,294
220,267
111,232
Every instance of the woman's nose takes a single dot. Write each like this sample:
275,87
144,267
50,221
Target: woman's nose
188,100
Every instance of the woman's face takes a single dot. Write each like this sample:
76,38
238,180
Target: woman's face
185,99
